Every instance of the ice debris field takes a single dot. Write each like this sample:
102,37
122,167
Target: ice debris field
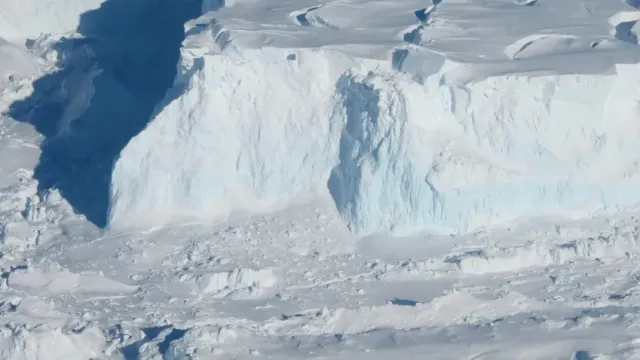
327,179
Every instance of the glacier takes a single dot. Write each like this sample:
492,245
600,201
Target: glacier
100,74
406,121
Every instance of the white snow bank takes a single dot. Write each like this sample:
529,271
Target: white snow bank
207,342
14,61
413,142
239,283
452,308
41,342
23,19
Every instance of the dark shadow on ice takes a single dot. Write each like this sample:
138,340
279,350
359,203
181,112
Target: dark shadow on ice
403,302
104,95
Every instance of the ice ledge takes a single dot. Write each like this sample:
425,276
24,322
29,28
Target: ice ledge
454,159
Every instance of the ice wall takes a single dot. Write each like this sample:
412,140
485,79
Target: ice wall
22,19
14,61
401,144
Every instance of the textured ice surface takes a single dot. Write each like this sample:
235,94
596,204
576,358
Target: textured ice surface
406,133
22,343
459,158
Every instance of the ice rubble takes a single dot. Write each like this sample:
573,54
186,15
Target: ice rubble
14,61
403,139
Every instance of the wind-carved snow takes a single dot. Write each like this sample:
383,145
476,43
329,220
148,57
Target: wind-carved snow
404,137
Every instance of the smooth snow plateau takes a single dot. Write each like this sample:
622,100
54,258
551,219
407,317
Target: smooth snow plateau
404,115
450,117
21,20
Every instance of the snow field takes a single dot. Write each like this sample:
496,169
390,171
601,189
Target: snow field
511,124
406,141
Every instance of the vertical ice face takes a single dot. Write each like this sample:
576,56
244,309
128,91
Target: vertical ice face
14,61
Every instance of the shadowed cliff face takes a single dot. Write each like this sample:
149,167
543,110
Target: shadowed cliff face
104,95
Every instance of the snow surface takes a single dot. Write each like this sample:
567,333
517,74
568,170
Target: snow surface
412,119
28,19
15,61
299,126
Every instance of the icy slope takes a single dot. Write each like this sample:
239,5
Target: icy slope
411,118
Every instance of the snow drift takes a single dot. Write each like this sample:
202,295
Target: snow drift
402,138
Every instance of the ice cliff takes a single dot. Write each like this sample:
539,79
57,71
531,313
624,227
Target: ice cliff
411,119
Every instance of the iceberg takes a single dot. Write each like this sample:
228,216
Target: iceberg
408,122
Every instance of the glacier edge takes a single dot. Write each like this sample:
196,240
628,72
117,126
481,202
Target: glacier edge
398,151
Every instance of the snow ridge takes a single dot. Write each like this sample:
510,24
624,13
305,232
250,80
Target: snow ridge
20,19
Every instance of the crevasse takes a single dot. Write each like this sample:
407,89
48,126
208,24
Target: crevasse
397,146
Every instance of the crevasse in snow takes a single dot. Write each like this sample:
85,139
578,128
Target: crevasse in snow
407,143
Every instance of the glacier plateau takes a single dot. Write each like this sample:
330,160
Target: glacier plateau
404,132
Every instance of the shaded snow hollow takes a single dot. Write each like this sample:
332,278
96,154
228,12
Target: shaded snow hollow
411,118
